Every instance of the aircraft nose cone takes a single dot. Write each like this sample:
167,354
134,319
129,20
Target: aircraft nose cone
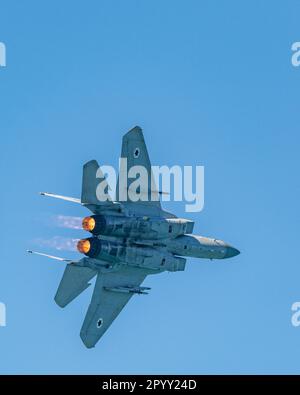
231,251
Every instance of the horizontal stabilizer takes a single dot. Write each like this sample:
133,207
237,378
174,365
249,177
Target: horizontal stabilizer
74,281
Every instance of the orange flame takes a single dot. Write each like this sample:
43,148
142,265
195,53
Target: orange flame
88,223
84,246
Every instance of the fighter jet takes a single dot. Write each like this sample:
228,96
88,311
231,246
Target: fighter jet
129,240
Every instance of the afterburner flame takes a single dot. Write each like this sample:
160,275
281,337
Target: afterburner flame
84,246
88,223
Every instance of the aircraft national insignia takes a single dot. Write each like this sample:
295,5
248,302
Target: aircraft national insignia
99,322
136,153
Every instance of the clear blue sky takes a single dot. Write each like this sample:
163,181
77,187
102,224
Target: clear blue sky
211,83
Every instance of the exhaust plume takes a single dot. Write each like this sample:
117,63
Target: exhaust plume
65,221
58,243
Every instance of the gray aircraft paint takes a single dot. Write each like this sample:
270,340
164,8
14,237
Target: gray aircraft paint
129,240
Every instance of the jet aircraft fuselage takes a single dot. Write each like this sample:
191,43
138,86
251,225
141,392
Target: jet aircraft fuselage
128,241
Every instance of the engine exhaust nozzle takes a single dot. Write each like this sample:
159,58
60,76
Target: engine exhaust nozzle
83,246
88,223
90,247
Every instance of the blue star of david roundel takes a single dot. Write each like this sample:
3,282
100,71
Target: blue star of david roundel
136,153
99,323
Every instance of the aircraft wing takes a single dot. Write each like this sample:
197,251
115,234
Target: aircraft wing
112,292
134,150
